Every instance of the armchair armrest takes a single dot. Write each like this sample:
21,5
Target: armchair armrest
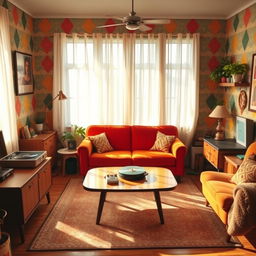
84,151
179,150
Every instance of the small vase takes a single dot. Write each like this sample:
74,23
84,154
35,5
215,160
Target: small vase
223,79
71,144
39,127
238,78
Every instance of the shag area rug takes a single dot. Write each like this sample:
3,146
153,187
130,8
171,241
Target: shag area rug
130,220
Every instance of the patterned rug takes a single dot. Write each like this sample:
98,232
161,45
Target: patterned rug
130,220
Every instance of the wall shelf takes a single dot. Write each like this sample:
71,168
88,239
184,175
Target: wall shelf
243,84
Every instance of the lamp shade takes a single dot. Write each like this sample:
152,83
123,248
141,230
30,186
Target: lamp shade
220,111
60,96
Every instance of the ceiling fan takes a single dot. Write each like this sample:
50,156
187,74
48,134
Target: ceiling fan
133,22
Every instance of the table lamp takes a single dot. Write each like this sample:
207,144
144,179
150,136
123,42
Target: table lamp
219,112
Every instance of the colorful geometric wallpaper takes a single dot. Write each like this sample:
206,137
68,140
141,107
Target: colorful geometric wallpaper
36,36
21,29
240,45
212,34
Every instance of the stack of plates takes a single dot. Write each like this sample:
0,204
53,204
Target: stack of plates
132,173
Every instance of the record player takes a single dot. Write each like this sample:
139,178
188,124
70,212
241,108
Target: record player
22,159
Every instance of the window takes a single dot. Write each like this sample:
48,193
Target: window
130,79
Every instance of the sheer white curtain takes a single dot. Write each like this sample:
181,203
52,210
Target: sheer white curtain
140,79
182,84
8,122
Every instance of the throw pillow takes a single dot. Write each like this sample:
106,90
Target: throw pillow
245,173
101,143
163,142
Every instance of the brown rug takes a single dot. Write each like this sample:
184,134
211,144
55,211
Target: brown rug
130,220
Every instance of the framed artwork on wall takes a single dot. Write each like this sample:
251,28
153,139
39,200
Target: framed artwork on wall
24,83
252,98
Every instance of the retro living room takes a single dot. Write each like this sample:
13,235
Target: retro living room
152,97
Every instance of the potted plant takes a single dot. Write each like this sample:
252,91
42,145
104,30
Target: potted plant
73,136
39,122
237,71
5,248
219,74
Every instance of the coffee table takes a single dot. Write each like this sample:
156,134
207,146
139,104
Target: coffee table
158,179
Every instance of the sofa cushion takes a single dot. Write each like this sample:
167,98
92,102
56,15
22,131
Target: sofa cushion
143,137
101,143
113,158
213,175
119,136
152,158
246,172
163,142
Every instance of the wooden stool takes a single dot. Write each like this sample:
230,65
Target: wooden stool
66,154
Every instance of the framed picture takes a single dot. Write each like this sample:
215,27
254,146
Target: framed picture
244,131
23,73
252,98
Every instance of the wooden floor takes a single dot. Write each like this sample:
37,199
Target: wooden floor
43,210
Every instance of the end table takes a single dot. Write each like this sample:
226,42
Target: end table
65,154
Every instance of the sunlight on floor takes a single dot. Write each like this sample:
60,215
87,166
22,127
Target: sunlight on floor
124,237
81,235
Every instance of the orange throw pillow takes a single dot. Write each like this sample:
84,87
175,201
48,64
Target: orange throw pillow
101,143
163,142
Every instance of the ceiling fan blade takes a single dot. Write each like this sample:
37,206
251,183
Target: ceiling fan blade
156,21
118,18
111,25
144,28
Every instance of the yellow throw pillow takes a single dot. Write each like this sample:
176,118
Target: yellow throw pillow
101,143
246,172
163,142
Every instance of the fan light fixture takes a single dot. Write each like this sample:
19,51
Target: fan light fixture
133,22
132,26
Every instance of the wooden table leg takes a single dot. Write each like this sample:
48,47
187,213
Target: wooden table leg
100,207
22,236
159,206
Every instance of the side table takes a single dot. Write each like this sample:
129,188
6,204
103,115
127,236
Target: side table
232,163
65,154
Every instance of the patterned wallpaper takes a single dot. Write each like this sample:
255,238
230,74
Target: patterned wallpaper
21,29
240,45
36,36
212,34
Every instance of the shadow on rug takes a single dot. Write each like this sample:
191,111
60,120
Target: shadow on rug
130,220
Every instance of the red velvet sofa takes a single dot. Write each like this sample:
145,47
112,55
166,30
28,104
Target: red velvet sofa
131,147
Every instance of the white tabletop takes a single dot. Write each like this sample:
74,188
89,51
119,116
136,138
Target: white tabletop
66,151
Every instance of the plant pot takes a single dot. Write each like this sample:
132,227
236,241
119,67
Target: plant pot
223,79
39,127
71,144
238,78
5,246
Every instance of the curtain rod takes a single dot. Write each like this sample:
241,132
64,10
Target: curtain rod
118,34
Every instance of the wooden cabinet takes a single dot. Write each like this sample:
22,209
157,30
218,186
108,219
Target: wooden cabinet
232,164
44,177
215,151
44,141
21,192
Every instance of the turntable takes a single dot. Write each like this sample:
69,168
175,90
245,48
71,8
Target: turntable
21,159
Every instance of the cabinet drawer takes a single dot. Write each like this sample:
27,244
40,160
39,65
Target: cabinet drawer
44,180
214,157
30,196
211,154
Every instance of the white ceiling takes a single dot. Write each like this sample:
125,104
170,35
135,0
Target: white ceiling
173,9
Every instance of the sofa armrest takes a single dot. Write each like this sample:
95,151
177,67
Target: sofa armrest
84,151
179,150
